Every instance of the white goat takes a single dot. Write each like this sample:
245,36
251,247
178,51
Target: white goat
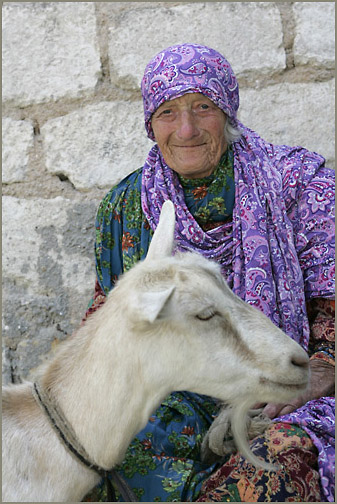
170,324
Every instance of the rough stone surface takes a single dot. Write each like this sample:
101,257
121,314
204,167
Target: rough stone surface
17,141
6,365
49,50
282,116
98,145
48,274
255,28
315,28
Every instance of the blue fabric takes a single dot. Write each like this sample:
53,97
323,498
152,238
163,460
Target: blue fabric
163,462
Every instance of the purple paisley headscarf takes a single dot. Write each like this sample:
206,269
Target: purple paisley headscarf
278,251
189,68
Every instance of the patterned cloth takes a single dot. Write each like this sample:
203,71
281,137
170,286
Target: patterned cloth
266,215
280,251
297,480
153,466
123,233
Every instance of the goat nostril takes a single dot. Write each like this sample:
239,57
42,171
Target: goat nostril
300,361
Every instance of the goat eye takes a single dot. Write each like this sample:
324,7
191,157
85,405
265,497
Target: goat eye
205,316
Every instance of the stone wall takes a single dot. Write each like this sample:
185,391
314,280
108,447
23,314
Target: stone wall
73,126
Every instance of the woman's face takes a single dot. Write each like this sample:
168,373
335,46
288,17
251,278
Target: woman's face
190,134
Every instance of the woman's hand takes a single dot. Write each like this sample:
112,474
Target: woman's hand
321,383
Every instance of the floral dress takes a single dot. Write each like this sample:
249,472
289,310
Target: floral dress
163,462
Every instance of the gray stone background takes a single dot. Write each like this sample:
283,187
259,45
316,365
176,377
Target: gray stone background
73,126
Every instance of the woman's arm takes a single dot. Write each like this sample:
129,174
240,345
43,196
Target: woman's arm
321,313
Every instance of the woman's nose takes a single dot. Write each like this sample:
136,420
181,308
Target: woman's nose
187,126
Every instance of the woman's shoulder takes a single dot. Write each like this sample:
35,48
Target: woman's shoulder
287,155
297,159
117,194
130,182
298,166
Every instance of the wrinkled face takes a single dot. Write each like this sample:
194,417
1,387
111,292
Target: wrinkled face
190,134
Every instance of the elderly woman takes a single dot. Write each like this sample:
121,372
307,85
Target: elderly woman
264,213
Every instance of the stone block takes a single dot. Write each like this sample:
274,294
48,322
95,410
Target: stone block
97,145
17,140
48,274
249,34
314,42
6,366
39,234
49,50
293,114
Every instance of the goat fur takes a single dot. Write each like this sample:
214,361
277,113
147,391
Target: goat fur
171,323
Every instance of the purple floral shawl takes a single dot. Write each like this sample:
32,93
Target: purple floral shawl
278,252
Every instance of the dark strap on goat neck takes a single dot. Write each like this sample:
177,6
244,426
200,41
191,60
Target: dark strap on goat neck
65,433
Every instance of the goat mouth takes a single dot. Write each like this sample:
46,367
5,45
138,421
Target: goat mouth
289,386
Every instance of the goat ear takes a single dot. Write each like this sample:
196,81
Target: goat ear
152,303
162,242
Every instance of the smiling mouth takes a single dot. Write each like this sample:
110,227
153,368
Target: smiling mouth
190,146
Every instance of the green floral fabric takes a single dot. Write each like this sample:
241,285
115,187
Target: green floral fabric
122,232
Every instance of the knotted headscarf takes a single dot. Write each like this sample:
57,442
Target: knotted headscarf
189,68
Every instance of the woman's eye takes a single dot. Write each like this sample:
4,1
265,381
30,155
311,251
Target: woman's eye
204,106
162,113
